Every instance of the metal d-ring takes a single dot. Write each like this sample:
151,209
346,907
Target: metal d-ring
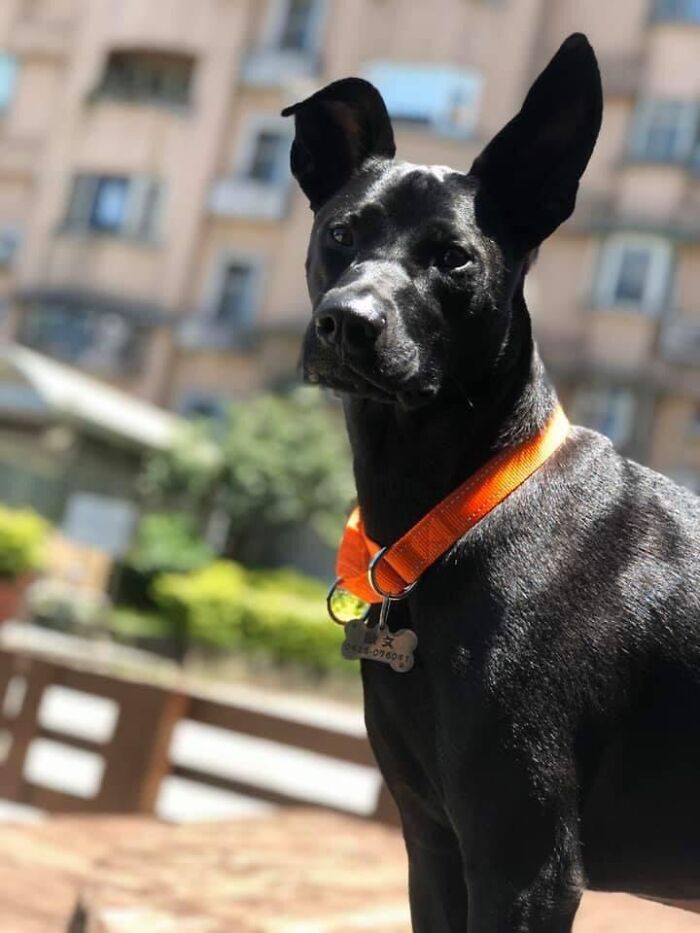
331,613
372,574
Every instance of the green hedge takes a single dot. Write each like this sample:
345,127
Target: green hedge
23,535
280,614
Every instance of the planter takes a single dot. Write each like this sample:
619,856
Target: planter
12,593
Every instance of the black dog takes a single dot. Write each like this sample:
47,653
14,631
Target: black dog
548,737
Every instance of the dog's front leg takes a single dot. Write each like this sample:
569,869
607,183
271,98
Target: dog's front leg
546,904
522,855
437,887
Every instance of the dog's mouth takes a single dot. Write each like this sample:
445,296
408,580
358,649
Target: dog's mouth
347,380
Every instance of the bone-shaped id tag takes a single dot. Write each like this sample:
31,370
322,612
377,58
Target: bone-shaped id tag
380,643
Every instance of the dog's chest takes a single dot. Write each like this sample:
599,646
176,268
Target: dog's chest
444,690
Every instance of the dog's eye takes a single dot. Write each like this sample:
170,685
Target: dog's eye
341,234
452,258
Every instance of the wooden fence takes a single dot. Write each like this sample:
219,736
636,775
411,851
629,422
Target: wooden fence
137,755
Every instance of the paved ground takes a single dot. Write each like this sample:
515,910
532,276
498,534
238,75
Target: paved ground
294,872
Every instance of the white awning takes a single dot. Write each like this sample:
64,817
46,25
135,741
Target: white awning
34,384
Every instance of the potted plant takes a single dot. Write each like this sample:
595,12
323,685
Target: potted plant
22,537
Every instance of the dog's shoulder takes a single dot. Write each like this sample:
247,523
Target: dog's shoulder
623,492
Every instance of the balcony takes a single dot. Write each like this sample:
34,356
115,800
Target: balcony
676,11
679,340
34,36
104,334
597,215
249,199
272,67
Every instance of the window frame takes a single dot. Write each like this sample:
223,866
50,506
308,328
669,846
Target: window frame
688,131
254,127
436,119
277,13
137,223
659,281
213,295
144,60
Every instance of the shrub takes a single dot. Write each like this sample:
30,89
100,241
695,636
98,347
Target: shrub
164,542
58,604
23,535
150,631
278,613
168,541
288,581
129,624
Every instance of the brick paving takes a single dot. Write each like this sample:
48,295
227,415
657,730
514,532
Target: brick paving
298,871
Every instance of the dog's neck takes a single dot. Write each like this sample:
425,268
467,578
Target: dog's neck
405,462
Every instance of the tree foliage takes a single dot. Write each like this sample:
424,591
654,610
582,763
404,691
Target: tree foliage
278,462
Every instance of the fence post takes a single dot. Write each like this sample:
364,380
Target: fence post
22,727
136,759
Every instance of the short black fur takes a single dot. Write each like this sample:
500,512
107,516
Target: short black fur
548,737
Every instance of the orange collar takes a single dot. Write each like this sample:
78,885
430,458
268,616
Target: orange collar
373,573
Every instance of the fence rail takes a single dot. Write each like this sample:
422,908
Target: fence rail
136,757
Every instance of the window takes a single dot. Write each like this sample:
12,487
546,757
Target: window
196,404
258,183
665,130
147,77
8,80
609,410
684,11
234,308
443,98
9,244
289,44
298,27
269,156
109,203
226,320
100,340
115,204
635,271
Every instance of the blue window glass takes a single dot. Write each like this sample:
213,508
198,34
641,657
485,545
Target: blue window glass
679,10
110,203
442,97
8,80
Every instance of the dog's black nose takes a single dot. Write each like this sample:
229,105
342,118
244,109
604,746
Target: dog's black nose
353,324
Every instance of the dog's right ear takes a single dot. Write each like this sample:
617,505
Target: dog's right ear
337,129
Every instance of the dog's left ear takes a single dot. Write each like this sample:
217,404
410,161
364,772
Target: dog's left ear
531,169
337,130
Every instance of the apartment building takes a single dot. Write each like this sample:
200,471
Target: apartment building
150,232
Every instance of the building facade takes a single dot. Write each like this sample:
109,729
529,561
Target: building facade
150,232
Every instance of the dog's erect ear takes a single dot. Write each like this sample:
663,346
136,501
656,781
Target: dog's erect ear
337,129
531,169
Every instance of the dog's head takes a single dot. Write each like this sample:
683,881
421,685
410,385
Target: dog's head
412,269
